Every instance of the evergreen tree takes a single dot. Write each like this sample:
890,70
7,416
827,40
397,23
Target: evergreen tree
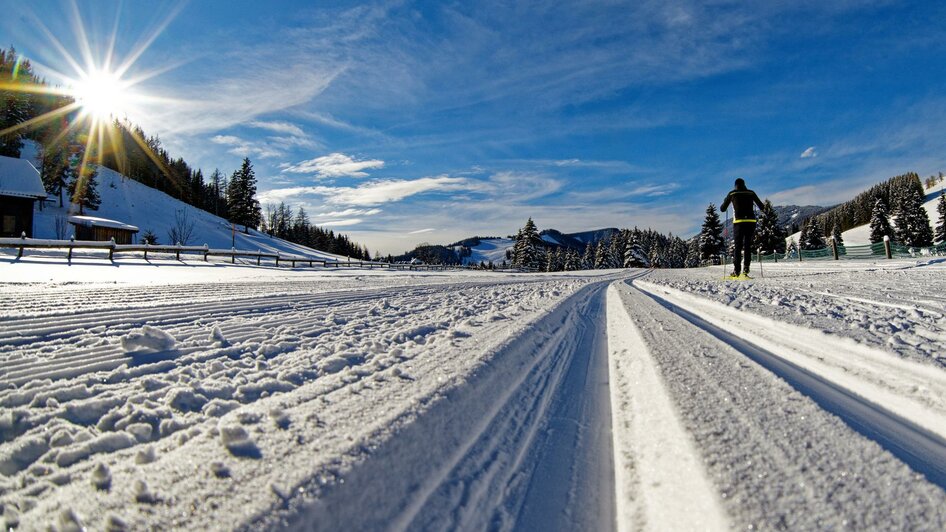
241,197
836,235
812,236
913,223
634,256
83,190
941,220
879,222
527,252
588,257
601,256
769,235
711,236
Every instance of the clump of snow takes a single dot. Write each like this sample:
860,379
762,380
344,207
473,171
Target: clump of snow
148,340
143,493
238,441
102,477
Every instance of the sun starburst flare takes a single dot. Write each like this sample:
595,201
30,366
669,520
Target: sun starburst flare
96,103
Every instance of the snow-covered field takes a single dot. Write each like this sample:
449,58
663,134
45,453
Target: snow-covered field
185,395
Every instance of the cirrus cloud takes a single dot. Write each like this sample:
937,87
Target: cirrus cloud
335,165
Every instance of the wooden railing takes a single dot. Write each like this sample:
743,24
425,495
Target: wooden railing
23,244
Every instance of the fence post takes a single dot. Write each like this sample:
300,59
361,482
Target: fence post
799,253
206,251
834,248
887,247
71,240
233,255
146,250
259,257
177,254
23,238
111,251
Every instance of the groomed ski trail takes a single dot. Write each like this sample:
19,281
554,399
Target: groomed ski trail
660,479
776,457
504,451
899,403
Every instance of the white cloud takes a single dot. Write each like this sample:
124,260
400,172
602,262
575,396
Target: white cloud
809,153
279,127
349,212
370,194
421,231
335,165
228,140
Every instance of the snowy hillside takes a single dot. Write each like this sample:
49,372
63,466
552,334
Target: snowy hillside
131,202
860,235
489,250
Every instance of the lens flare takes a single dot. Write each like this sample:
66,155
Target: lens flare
101,94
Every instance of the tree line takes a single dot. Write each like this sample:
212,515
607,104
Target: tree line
626,248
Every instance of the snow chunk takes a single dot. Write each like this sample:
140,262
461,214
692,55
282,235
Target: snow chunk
217,338
143,494
148,340
102,477
238,441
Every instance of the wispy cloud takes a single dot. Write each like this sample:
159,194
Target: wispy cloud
279,127
335,165
809,153
372,193
421,231
247,148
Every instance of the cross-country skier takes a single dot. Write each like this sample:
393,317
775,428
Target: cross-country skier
743,226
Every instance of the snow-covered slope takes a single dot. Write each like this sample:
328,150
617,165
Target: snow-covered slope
489,250
126,200
860,235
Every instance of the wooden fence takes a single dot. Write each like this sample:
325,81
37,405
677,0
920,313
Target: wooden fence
24,244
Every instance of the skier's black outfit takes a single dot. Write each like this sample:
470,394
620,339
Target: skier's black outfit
743,223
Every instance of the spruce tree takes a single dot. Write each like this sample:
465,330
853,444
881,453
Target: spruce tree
711,236
941,220
527,251
836,235
913,223
879,222
601,256
243,207
769,235
84,190
812,236
588,257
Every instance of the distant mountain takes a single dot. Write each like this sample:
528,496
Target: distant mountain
597,235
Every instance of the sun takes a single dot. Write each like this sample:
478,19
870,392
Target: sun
101,94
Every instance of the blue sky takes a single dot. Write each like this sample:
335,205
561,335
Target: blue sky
401,122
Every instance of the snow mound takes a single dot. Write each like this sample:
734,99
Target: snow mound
148,340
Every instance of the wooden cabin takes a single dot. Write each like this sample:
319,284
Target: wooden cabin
20,187
100,229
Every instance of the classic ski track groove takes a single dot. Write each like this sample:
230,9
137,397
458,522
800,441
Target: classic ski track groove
911,432
777,457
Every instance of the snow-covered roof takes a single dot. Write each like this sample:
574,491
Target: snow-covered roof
92,221
18,177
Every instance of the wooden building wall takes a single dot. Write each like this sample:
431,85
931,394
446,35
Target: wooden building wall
103,234
16,216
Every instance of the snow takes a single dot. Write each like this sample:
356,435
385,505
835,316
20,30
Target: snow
490,250
860,235
18,177
190,395
142,207
92,221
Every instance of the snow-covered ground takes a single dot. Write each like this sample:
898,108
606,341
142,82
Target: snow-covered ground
210,396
